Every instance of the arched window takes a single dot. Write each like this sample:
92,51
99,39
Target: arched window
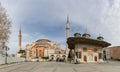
52,57
40,53
95,50
104,52
80,54
84,49
100,55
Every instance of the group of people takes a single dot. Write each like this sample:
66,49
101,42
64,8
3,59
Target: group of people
60,60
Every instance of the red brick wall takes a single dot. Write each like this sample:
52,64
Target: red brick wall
115,52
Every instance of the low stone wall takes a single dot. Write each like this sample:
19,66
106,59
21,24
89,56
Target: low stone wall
11,59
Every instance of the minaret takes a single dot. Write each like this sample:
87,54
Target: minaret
19,39
67,34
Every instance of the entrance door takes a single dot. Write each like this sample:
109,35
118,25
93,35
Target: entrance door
85,58
95,58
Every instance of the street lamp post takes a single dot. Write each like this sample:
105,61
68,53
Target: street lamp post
5,55
6,49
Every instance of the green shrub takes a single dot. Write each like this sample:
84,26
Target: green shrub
45,58
21,51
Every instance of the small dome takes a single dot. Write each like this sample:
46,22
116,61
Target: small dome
100,37
43,40
77,35
86,35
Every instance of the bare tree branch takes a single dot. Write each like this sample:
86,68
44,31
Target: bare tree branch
5,25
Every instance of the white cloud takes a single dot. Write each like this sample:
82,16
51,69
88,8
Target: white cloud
111,20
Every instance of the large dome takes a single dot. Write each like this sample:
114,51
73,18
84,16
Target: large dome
43,40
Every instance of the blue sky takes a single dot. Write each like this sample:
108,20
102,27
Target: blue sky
47,19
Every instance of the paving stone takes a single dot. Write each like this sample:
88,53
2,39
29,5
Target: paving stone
61,67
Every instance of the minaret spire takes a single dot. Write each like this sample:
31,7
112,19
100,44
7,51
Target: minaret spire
20,39
20,30
67,34
67,19
67,23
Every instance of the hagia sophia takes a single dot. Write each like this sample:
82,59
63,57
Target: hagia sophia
44,48
80,48
41,48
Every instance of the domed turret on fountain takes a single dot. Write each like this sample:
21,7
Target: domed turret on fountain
100,37
86,34
77,34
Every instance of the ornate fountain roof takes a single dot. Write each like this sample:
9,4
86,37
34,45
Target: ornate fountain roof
74,40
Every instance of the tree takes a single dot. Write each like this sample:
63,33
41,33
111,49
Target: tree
5,25
45,58
21,51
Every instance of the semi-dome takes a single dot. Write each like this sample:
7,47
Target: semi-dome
77,34
43,40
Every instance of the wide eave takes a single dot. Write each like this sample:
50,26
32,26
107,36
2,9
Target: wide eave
75,40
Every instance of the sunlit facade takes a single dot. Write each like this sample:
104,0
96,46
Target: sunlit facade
43,48
85,49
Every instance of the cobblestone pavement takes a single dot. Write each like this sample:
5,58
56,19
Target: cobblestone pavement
61,67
